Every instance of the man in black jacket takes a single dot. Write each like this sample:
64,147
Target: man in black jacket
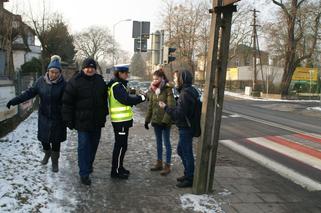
85,108
121,114
182,115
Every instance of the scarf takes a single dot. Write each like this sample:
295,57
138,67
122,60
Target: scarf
156,87
50,82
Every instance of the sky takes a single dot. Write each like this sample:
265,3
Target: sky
81,14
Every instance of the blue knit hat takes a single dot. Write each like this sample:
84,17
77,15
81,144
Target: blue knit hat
55,62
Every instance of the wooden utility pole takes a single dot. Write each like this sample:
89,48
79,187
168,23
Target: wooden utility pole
213,95
254,38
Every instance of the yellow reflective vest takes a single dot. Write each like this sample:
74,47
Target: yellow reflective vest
118,112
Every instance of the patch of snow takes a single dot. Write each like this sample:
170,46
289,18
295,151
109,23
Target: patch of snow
246,97
314,108
225,193
200,203
25,184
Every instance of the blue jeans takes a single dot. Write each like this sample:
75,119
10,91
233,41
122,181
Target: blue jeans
87,147
185,151
162,133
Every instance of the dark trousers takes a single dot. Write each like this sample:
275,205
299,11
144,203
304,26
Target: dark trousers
185,151
87,147
120,148
53,146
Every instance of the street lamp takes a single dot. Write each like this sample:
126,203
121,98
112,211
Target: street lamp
114,26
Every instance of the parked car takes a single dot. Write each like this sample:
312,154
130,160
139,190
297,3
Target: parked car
144,86
176,94
133,84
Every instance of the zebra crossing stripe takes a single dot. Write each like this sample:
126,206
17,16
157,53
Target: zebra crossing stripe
296,146
286,172
285,150
308,137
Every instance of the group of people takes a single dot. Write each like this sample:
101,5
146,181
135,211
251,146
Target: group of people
84,102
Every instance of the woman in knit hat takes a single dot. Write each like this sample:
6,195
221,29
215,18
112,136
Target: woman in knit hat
51,129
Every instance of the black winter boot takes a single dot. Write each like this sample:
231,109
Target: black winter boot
85,180
46,157
118,175
54,161
123,170
185,183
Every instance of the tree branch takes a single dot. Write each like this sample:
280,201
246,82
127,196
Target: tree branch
280,4
315,39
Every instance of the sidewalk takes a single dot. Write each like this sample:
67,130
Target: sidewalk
240,184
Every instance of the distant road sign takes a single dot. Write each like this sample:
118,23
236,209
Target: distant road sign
141,29
140,45
145,29
136,29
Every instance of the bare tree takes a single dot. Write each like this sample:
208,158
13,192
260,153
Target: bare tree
52,32
241,29
182,24
121,56
302,21
138,66
11,28
95,42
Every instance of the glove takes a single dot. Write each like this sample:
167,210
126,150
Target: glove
143,97
146,125
9,104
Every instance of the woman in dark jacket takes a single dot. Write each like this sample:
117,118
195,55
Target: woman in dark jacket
51,129
161,90
183,112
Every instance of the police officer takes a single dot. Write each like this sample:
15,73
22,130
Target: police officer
121,114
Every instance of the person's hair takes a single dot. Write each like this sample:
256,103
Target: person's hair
160,73
116,74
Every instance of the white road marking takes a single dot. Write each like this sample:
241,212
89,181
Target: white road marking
286,172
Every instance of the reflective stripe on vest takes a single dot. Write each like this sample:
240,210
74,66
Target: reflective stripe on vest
118,112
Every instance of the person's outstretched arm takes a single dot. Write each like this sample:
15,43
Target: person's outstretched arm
26,95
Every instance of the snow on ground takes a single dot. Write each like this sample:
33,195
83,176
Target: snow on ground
200,203
243,96
314,108
25,184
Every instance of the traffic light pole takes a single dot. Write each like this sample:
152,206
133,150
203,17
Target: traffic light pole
213,96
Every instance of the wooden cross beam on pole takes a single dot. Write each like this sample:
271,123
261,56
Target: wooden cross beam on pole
213,95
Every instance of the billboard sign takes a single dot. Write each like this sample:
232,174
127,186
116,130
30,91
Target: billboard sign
305,74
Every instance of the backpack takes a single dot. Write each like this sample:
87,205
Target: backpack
196,118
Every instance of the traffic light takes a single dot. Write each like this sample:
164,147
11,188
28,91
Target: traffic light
167,54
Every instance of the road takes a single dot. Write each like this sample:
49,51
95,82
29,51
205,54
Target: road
282,136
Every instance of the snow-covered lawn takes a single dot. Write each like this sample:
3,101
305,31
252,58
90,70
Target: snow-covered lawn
25,184
243,96
314,108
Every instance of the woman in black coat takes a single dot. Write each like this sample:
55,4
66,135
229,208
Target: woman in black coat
51,129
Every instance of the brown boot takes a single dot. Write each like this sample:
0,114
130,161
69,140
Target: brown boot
166,170
158,166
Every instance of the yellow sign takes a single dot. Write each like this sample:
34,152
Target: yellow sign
232,74
305,74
